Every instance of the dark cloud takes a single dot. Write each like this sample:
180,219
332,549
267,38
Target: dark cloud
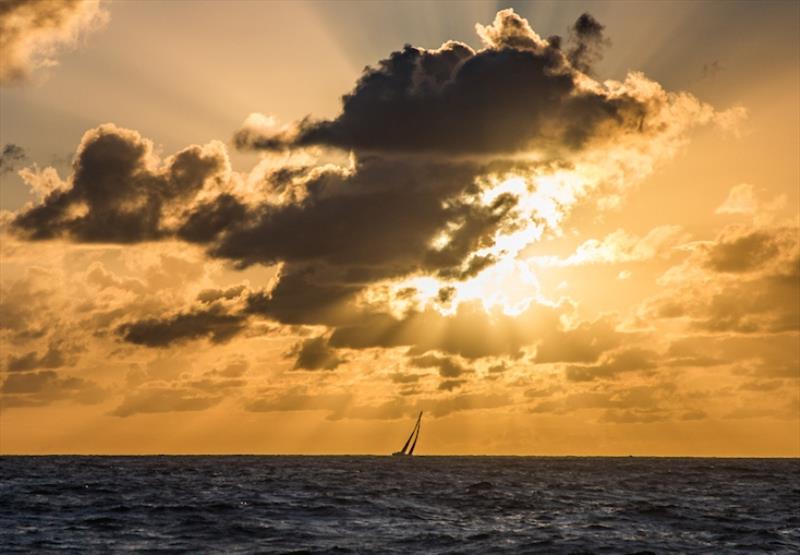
586,43
213,295
209,219
517,94
11,157
315,354
118,193
378,220
214,323
305,296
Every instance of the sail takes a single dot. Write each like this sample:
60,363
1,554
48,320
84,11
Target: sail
403,450
419,425
413,431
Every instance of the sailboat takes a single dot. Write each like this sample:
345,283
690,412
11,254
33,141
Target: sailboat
415,435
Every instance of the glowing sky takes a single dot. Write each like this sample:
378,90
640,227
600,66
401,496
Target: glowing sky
264,227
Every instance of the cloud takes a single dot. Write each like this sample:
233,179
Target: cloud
342,405
10,158
460,160
450,385
213,295
315,354
643,403
33,31
448,368
214,323
739,251
516,94
56,356
740,200
613,364
584,342
587,43
27,306
470,332
25,389
298,399
164,399
621,246
746,280
120,192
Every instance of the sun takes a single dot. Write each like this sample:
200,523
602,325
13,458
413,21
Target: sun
509,283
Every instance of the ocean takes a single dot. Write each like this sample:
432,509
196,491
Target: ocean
363,504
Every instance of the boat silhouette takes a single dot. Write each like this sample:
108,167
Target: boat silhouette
415,435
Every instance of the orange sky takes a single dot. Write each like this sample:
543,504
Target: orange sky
581,245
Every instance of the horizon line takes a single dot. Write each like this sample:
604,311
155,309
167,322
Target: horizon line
388,455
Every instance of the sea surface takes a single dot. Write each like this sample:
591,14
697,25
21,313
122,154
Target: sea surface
283,504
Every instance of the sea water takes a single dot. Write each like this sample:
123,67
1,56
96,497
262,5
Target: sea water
287,504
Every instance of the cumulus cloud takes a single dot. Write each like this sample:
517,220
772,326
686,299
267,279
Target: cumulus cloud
517,93
119,190
460,159
33,31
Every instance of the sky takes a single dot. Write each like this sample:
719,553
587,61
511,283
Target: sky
556,228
